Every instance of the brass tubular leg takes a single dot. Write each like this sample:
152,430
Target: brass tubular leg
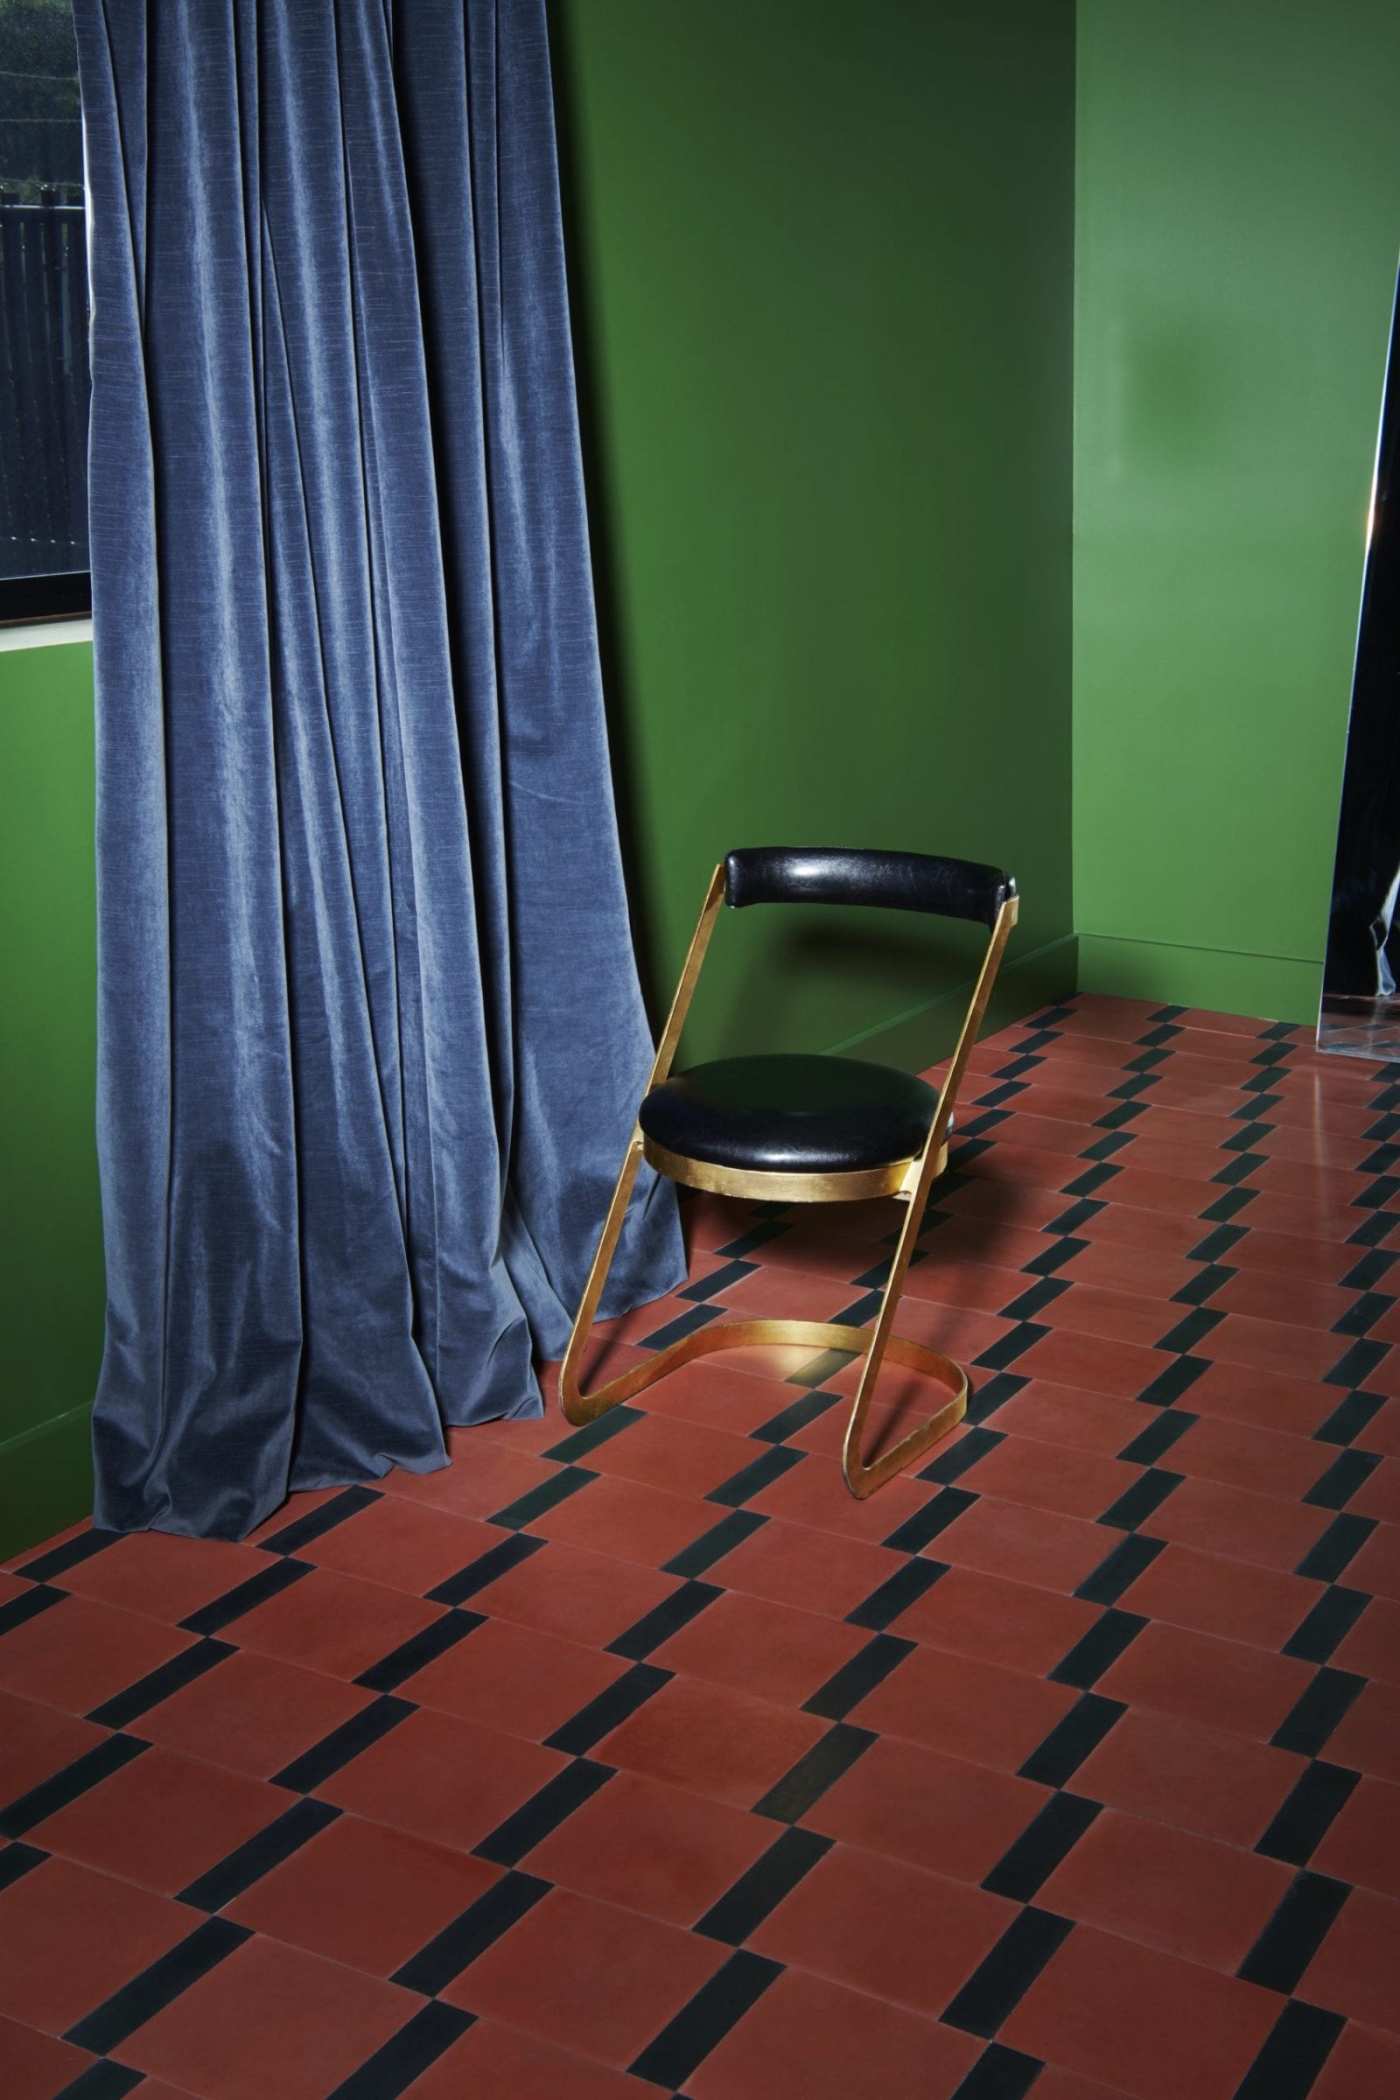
585,1407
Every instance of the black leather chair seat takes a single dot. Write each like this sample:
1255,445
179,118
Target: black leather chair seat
791,1115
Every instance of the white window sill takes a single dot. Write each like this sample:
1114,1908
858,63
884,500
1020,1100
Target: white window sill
41,634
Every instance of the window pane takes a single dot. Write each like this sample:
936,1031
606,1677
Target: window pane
43,303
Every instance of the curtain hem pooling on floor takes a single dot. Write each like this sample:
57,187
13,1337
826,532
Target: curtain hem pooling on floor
370,1036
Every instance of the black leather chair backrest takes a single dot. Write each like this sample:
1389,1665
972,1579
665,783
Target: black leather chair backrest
930,882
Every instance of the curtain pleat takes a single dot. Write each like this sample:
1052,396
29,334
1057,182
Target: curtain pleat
370,1037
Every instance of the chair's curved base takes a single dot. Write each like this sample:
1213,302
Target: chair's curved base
861,1478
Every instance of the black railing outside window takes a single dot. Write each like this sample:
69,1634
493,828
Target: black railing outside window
43,316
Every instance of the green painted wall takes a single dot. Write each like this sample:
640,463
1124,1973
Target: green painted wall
1238,182
821,266
51,1289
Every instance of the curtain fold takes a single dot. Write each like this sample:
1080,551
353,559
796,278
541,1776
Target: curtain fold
370,1036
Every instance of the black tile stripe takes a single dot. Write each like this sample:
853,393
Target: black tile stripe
1173,1383
1098,1649
28,1605
269,1582
1370,1272
315,1766
1003,1977
1054,1256
1305,1818
795,1416
1198,1323
1320,1709
1157,1438
57,1560
406,2055
712,1545
860,1312
1131,1557
870,1666
18,1860
1359,1361
1294,1933
759,1473
103,2080
147,1994
1328,1623
601,1430
664,1619
1361,1317
821,1368
1035,1300
227,1880
1003,1352
698,2027
816,1770
317,1522
54,1793
1349,1418
1229,1206
1204,1284
195,1662
895,1595
1239,1169
450,1951
437,1638
1000,2074
1089,1184
532,1823
969,1450
609,1710
1047,1840
1055,1761
1296,2049
1347,1472
774,1875
936,1515
991,1393
1137,1503
1337,1548
686,1323
718,1280
758,1236
486,1568
549,1493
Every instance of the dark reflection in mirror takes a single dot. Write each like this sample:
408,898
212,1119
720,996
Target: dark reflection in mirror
1360,1000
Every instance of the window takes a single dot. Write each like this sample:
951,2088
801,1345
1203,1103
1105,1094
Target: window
43,317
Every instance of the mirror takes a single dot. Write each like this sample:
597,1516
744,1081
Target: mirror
1360,1013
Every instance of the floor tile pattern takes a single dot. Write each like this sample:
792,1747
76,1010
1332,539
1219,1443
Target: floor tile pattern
642,1759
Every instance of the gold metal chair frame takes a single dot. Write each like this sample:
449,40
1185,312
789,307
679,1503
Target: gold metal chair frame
907,1180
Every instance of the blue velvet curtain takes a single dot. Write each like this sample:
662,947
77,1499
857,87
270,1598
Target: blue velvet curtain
370,1031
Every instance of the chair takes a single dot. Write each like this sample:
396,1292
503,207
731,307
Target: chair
802,1129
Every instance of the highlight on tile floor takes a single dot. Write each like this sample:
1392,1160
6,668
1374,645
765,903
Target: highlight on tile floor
643,1758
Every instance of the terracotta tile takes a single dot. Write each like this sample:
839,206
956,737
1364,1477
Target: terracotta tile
1146,1231
811,1570
1026,1545
1268,1345
991,1620
161,1820
652,1848
1362,1845
1047,1476
1128,1268
72,1938
402,1545
1239,1455
632,1522
1376,1567
1380,1495
252,1713
1179,1157
716,1394
161,1576
713,1740
756,1646
1110,1315
363,1895
528,1683
1188,1895
581,1596
1383,1430
880,1926
1155,2026
685,1458
490,2059
1372,1648
269,2023
966,1709
1368,1735
336,1624
37,1741
485,1475
78,1653
915,1804
1264,1294
957,1331
1364,2064
588,1976
945,1278
1121,1369
1230,1598
1068,1416
1243,1526
775,1292
1231,1393
814,1492
1355,1968
1221,1684
1191,1777
1288,1254
37,2066
812,2037
442,1778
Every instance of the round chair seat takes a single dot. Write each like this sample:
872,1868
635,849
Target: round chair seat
791,1115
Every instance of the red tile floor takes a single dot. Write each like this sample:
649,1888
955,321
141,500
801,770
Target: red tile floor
644,1759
